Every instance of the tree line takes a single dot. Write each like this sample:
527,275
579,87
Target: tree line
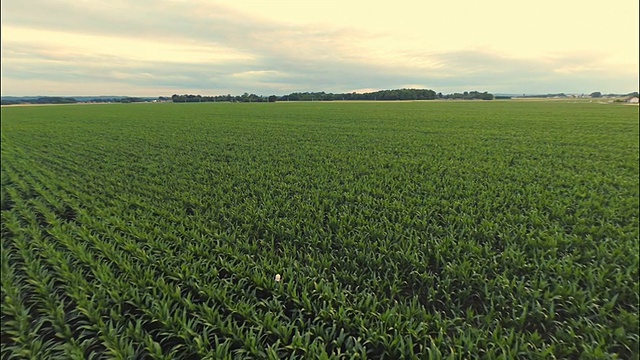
73,100
41,100
397,94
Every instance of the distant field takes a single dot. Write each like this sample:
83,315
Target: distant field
503,229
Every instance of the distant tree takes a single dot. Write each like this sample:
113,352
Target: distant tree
395,94
254,98
596,94
10,102
55,100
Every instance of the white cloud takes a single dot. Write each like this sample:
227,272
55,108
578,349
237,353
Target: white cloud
60,44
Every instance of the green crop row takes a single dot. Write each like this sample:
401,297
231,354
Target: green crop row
397,230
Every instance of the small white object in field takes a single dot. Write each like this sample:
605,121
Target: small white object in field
277,277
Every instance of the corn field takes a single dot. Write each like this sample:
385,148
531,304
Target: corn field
387,230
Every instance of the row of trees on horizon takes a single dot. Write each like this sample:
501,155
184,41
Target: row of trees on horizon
72,100
398,94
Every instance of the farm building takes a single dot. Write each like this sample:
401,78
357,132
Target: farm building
633,100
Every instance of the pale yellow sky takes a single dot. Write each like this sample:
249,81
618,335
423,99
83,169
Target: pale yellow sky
210,47
514,28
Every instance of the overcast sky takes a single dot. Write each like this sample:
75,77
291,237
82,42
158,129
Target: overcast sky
162,47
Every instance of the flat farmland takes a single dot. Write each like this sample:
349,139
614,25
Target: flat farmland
444,229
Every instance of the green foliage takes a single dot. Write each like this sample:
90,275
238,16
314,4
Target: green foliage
399,230
396,94
470,95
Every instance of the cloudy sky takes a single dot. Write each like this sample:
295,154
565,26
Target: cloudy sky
162,47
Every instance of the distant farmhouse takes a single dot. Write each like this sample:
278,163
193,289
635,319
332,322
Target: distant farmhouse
633,100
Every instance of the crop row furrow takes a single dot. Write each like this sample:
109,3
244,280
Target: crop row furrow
60,323
19,330
326,314
89,302
133,273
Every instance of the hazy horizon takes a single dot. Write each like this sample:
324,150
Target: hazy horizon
265,95
159,48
